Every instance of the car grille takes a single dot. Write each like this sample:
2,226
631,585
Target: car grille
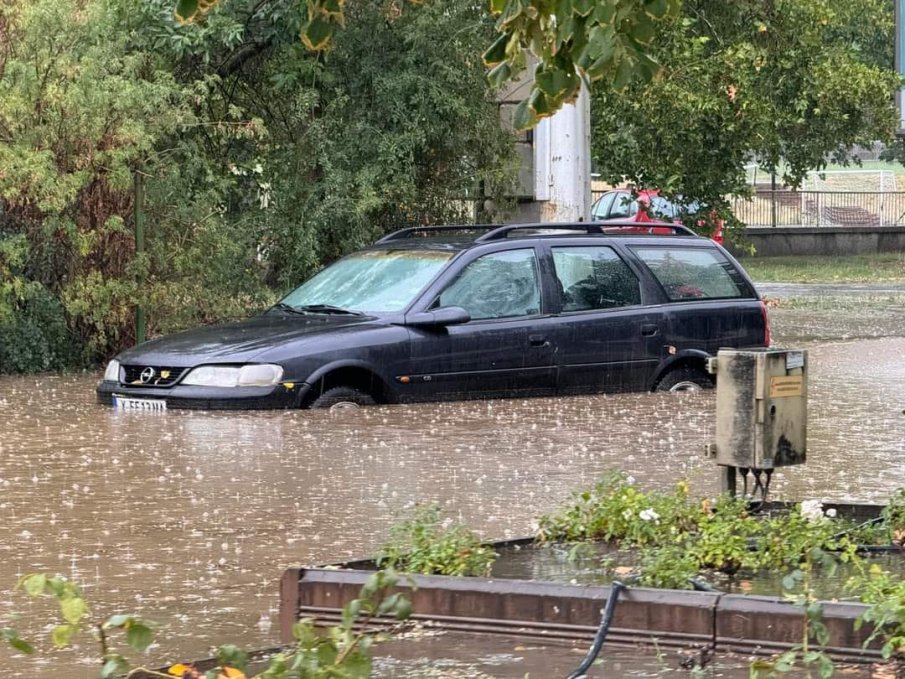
163,376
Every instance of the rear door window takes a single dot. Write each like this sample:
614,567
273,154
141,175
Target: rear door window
594,277
693,273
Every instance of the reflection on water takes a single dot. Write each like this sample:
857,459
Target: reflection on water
599,564
188,518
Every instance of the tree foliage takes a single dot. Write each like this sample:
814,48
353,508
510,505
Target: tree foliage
261,160
571,41
791,83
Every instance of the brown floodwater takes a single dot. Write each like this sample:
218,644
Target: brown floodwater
189,518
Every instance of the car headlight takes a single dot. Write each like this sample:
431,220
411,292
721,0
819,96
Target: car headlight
262,375
111,374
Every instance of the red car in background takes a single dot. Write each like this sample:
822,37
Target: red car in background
646,205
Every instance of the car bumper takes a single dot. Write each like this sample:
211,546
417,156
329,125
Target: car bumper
211,398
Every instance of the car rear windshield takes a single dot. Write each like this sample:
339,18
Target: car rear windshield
694,273
372,281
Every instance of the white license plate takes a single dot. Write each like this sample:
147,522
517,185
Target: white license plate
143,404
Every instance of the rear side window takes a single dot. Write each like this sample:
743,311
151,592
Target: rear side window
594,277
693,273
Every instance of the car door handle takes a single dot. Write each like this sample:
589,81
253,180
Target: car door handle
649,330
539,341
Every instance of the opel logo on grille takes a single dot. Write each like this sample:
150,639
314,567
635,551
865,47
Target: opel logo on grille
147,375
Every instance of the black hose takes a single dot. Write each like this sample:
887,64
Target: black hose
605,620
701,585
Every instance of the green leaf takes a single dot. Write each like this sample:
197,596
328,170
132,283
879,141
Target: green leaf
643,31
11,636
657,8
497,51
350,612
114,666
583,7
524,117
542,105
499,75
34,584
186,10
554,83
497,6
115,621
139,636
73,609
316,34
625,72
21,645
61,635
231,655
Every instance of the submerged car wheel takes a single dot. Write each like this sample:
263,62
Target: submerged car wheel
342,398
685,379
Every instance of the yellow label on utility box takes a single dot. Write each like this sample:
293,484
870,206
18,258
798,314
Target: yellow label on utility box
781,387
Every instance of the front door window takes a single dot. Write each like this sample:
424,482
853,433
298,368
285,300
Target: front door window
498,285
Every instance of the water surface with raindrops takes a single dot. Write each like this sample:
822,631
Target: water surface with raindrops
189,518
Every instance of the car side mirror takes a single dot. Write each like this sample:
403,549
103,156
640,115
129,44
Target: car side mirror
443,316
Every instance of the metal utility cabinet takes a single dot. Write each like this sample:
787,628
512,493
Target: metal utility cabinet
761,408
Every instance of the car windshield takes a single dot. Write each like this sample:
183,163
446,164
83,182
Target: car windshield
373,281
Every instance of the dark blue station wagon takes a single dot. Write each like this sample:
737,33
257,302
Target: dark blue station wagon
453,312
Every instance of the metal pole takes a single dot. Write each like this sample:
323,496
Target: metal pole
728,480
139,215
773,197
900,63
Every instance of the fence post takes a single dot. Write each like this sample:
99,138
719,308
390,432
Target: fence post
773,198
139,216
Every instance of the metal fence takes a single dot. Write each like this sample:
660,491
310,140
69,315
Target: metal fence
822,208
818,208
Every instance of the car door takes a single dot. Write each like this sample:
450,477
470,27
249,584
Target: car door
607,340
504,350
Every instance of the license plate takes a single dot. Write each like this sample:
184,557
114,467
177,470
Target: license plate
143,404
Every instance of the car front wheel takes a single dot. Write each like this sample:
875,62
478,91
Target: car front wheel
342,398
685,379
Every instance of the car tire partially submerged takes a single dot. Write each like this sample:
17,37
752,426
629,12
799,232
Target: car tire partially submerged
342,398
685,379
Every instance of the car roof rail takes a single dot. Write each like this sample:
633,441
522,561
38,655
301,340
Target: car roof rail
494,232
588,227
412,230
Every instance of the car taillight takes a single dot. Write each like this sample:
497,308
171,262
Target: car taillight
768,340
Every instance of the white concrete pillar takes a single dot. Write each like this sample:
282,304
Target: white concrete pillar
562,163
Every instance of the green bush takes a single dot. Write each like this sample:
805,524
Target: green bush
428,545
35,337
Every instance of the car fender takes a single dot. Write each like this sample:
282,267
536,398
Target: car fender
339,364
685,356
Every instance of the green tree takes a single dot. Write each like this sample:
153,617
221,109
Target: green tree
80,113
394,126
794,83
572,40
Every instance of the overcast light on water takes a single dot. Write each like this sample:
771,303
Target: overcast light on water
189,518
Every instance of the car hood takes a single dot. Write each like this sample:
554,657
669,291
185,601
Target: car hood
235,342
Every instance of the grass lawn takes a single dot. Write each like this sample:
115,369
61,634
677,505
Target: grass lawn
885,266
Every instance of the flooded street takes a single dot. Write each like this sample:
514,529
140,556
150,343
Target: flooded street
189,518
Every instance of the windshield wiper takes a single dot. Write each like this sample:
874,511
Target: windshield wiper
282,306
328,309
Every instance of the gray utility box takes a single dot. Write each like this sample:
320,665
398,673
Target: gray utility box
761,407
